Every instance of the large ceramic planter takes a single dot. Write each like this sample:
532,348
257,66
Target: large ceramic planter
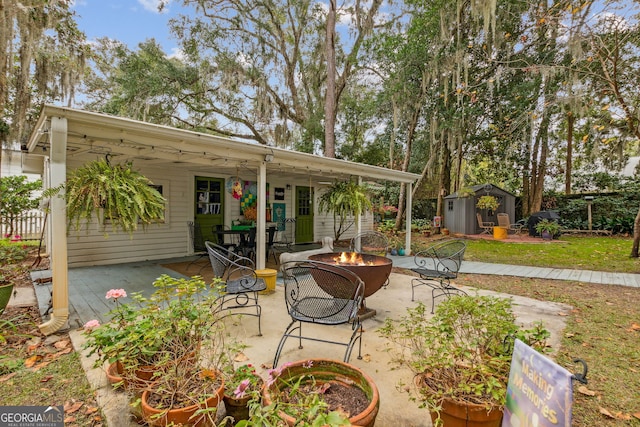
459,414
325,371
180,416
5,295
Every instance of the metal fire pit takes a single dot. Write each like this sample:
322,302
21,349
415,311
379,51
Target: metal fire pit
374,272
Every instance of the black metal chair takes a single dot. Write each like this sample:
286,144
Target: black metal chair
220,235
322,294
247,245
370,242
437,266
241,283
271,246
197,243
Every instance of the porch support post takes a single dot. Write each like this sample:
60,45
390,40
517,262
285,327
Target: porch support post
261,230
59,269
359,216
407,210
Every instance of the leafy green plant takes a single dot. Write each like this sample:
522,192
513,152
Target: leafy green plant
298,391
242,381
170,325
460,352
344,200
549,226
115,194
421,225
16,197
386,226
466,192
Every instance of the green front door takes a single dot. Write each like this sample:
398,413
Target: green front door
209,201
304,214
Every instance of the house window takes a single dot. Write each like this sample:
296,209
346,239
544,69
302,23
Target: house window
160,188
450,205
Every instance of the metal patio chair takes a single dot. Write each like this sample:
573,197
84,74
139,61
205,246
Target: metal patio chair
219,231
197,243
437,266
486,226
370,242
322,294
504,221
241,283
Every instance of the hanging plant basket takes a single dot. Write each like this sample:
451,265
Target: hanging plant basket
114,193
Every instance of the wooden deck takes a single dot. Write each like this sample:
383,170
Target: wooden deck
89,285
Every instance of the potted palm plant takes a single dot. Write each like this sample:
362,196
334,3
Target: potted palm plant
459,357
344,200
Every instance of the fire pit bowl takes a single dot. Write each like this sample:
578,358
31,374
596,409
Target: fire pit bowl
374,270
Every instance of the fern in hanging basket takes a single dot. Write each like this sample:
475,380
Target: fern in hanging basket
113,193
488,202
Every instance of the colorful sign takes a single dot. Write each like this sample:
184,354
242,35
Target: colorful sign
539,392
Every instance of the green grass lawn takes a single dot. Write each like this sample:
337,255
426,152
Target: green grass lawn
586,253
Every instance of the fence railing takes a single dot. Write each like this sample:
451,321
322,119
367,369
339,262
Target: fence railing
28,226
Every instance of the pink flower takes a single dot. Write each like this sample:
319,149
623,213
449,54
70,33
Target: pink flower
116,293
91,325
16,238
241,390
308,364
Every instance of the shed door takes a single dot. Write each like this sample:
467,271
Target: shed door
304,215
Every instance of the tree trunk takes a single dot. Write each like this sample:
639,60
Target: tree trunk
413,124
568,167
330,96
636,236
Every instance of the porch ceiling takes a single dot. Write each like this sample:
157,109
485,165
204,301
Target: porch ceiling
94,135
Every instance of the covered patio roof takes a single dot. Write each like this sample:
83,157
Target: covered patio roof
63,134
93,134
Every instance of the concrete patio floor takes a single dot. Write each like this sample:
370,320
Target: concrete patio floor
89,285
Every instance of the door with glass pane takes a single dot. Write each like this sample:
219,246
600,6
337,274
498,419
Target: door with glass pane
304,214
209,199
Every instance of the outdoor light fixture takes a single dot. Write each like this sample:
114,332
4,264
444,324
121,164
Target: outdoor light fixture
268,157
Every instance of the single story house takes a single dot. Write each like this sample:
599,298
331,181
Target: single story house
193,171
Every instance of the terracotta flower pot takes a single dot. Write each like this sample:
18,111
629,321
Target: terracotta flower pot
114,374
325,371
237,408
459,414
180,416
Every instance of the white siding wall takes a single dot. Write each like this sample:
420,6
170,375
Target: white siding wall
323,226
158,241
171,239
